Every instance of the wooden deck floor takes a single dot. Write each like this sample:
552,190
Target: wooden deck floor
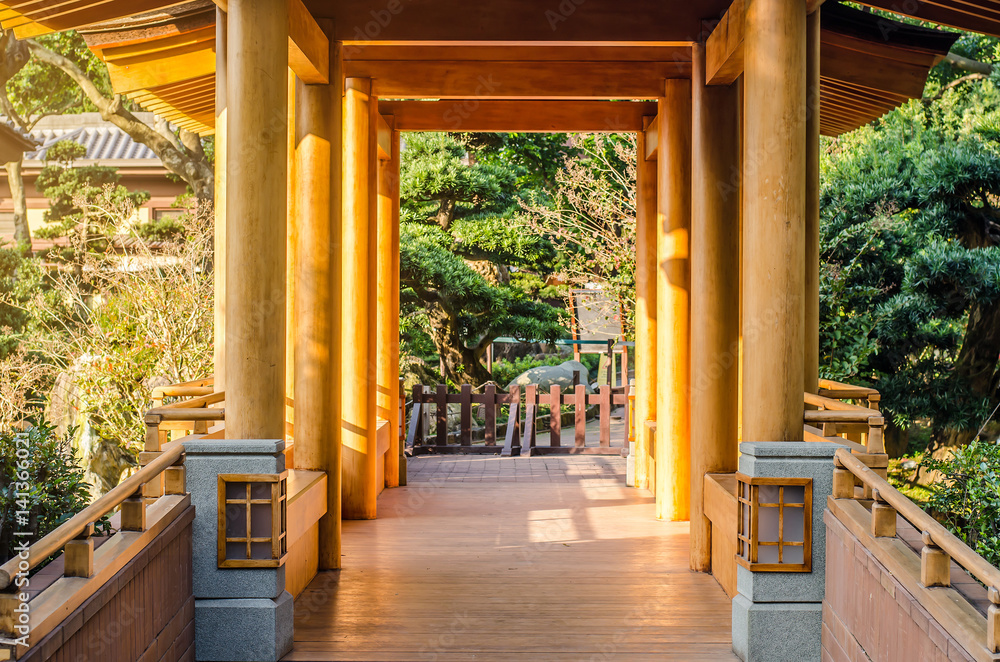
547,558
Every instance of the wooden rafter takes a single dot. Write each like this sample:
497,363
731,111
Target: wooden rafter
520,79
518,116
31,18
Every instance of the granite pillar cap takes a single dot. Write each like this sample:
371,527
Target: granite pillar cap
234,446
790,449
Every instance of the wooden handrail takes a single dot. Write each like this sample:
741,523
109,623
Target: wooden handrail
832,389
824,402
939,536
194,403
185,414
852,416
56,539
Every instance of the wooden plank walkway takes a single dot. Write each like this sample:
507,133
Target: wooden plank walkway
483,558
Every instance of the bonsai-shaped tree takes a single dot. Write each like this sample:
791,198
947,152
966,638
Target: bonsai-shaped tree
460,237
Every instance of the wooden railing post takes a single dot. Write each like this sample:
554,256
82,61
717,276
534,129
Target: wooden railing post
134,512
79,560
530,412
876,441
605,416
465,430
883,518
843,481
441,410
555,416
580,416
490,436
993,621
935,564
174,479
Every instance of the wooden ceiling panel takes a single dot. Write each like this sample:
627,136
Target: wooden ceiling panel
568,116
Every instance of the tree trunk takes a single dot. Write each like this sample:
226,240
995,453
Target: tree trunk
896,439
977,366
22,232
461,364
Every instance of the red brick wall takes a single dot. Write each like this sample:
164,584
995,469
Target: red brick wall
144,613
868,615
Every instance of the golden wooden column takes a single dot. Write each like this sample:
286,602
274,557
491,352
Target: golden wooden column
255,234
645,308
388,304
292,227
811,358
358,369
219,259
330,524
715,295
774,180
314,420
673,441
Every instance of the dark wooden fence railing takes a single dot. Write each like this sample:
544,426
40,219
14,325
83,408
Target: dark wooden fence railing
580,400
490,398
420,440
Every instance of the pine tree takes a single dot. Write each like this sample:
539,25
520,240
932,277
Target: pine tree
460,238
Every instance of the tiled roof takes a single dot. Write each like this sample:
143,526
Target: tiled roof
104,141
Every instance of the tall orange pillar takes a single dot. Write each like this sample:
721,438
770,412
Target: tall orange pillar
257,94
388,303
811,358
774,208
314,369
219,258
645,309
673,440
715,295
358,324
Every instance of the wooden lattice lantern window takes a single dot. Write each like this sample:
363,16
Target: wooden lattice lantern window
252,520
775,524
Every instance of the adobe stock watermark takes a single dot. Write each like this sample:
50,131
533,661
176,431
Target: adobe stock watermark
459,111
562,12
22,488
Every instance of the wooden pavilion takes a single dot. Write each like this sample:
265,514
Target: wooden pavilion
307,100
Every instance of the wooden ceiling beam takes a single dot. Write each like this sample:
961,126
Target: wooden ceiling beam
960,15
517,21
485,53
724,47
39,17
502,115
308,44
146,73
652,137
524,80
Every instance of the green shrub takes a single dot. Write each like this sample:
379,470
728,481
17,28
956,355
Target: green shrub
39,476
967,498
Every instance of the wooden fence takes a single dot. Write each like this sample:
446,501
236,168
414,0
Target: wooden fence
490,398
924,571
580,400
84,573
426,400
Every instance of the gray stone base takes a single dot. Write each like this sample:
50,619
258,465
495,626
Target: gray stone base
243,629
777,631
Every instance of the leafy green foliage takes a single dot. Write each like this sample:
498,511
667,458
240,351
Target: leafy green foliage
460,238
590,218
40,89
967,497
40,465
910,284
71,189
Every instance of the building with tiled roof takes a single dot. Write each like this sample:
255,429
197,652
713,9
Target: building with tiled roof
107,145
